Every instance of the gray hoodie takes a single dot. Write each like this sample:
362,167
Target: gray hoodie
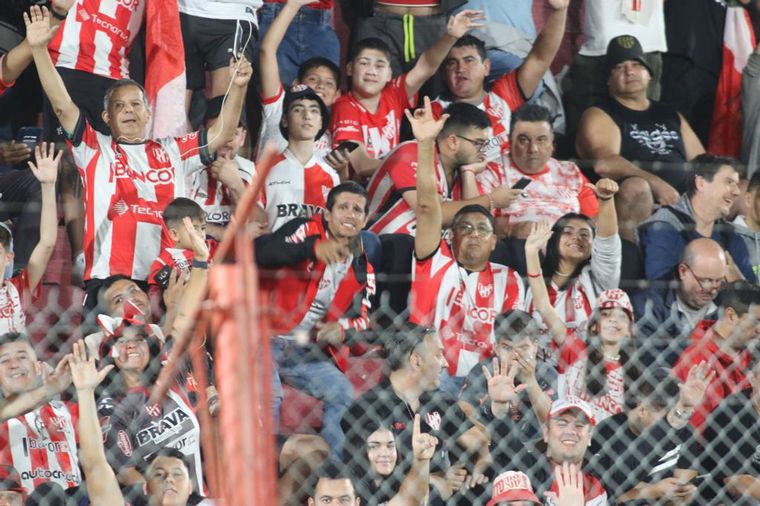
752,240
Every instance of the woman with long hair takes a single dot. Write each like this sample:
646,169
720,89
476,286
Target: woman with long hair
598,364
582,260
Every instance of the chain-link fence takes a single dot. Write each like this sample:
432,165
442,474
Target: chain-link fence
648,426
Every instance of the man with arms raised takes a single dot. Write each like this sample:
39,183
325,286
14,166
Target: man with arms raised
456,288
128,179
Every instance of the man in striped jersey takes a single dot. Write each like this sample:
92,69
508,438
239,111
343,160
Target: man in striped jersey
128,179
455,287
38,435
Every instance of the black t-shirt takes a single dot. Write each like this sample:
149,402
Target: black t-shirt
694,29
731,443
622,459
440,415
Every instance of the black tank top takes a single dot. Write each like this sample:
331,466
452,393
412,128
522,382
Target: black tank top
651,136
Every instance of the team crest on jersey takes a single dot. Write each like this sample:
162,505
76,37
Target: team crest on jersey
159,153
433,420
485,290
153,410
125,445
59,422
495,109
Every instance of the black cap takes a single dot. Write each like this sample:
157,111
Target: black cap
624,48
298,92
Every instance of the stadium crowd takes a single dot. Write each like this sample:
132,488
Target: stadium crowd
508,251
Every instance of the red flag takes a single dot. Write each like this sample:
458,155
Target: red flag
738,44
165,69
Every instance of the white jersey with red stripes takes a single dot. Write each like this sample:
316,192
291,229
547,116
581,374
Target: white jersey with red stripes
42,445
14,296
388,211
462,305
270,128
571,380
505,96
126,189
97,36
293,190
213,196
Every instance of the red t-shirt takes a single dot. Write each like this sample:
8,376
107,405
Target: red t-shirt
731,372
378,131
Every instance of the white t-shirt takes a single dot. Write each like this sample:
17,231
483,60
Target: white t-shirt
606,19
212,195
222,9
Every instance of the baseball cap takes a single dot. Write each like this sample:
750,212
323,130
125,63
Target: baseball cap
300,91
623,48
512,486
616,297
561,405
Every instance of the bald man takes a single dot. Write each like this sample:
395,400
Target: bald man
666,315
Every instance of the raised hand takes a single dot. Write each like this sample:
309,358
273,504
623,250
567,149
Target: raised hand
84,374
200,248
38,29
605,188
240,72
464,21
424,125
60,379
501,384
569,478
423,445
539,235
697,381
46,170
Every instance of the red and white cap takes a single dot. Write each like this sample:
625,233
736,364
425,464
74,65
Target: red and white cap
512,486
561,405
616,297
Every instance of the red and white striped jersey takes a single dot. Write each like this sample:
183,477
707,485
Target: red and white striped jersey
270,127
557,190
213,196
42,445
389,213
378,131
505,96
462,305
97,35
571,380
292,190
126,189
14,296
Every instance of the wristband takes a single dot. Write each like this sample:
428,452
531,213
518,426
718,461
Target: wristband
605,200
56,15
467,169
537,275
200,264
490,202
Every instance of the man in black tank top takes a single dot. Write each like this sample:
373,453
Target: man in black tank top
638,142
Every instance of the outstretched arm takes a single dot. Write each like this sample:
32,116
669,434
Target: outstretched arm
270,69
429,216
102,486
46,172
38,34
539,236
225,128
540,58
430,60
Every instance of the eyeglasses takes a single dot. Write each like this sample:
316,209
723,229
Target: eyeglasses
706,284
468,228
481,144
